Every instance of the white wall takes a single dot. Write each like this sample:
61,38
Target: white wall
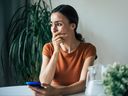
105,24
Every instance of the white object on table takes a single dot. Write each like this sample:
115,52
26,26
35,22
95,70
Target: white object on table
22,91
16,91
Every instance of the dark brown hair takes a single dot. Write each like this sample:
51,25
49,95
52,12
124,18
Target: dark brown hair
70,13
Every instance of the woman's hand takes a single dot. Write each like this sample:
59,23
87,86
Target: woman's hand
57,39
48,90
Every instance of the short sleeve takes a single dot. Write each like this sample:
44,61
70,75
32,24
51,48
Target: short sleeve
91,51
47,50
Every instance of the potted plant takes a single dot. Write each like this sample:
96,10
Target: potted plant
29,30
115,80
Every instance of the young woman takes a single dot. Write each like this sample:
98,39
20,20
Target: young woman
65,59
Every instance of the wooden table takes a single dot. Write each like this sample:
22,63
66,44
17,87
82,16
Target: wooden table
22,91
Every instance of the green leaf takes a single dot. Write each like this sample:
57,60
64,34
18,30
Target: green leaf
29,30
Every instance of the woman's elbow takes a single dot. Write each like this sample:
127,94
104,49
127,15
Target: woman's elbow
44,79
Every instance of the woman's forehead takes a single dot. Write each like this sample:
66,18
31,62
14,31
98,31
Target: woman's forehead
58,17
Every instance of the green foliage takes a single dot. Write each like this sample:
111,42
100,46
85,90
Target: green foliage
116,80
29,30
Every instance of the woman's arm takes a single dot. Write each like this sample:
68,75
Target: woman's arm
80,85
57,90
48,68
49,64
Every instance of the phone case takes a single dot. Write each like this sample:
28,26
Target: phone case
34,84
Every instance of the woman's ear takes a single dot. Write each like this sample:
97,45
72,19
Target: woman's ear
73,26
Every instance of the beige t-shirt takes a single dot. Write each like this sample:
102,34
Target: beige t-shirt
69,65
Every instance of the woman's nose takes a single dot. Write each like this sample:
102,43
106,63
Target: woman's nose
53,28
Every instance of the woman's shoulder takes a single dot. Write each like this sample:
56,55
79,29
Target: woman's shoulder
48,49
87,44
89,48
48,46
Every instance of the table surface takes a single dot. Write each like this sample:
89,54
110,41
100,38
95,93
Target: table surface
22,91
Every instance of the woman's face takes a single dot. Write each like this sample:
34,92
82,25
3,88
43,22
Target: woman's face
59,23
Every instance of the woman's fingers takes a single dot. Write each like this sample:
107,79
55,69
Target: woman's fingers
59,35
59,38
40,90
47,91
56,33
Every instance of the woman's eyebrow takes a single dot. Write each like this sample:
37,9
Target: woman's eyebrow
57,22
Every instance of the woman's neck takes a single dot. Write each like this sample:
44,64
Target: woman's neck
70,45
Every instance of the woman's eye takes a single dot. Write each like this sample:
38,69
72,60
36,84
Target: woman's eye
59,24
56,24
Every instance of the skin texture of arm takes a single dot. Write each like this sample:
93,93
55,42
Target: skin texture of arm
49,64
70,89
48,68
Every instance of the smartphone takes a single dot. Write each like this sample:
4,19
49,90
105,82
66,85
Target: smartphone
34,84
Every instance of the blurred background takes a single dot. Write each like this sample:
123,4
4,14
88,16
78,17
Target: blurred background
7,9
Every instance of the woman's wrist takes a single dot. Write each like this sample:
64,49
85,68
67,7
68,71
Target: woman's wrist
56,51
55,55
